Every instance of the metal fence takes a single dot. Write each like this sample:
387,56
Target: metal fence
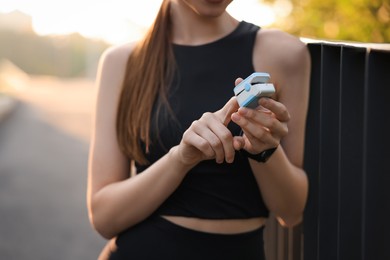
347,159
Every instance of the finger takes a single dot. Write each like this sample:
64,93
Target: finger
238,142
226,138
245,116
257,134
205,131
223,134
192,139
277,108
238,81
260,136
265,118
228,109
215,144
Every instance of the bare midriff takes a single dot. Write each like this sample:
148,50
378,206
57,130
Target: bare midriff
218,226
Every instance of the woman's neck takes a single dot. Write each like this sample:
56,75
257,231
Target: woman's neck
191,28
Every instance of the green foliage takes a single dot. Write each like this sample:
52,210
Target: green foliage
63,56
347,20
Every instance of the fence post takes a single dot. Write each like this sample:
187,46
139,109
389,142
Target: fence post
347,152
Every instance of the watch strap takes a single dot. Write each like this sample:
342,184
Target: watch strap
260,157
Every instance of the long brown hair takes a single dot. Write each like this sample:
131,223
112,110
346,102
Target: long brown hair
149,71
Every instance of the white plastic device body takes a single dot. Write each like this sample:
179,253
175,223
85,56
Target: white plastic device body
251,89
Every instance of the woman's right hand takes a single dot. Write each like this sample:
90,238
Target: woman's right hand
208,137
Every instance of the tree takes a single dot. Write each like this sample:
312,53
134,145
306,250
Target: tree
347,20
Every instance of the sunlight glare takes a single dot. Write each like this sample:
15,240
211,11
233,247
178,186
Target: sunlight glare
283,8
252,11
118,21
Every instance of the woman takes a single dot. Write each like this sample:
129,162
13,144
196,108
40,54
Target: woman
176,168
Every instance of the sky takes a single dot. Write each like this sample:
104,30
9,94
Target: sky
118,21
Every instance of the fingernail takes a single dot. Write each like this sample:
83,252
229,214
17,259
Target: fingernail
263,101
236,117
243,111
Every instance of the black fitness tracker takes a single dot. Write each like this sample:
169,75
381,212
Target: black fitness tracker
260,157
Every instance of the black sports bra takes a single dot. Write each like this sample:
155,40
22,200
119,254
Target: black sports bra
204,82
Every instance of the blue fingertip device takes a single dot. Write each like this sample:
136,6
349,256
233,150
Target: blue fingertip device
251,89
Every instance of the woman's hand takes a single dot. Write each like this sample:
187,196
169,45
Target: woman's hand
209,138
264,126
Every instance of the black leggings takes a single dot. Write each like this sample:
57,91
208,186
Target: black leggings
158,238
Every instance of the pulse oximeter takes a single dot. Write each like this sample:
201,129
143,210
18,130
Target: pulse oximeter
251,89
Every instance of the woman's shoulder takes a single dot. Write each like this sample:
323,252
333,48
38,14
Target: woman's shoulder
112,65
117,54
111,71
280,41
284,56
282,48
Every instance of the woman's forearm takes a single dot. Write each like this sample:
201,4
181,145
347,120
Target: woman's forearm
284,187
120,205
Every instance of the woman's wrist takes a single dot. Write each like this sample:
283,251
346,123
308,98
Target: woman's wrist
178,161
261,157
276,163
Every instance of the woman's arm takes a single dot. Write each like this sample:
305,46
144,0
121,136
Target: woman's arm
116,201
281,179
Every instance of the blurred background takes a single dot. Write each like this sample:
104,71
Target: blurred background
49,52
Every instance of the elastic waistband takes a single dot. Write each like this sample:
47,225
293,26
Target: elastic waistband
173,227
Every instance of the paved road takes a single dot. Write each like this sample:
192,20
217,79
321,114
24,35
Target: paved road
43,166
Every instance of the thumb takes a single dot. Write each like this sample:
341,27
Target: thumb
238,81
228,109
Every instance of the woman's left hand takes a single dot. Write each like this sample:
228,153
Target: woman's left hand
263,127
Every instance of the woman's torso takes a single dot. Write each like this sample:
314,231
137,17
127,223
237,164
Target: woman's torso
213,197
